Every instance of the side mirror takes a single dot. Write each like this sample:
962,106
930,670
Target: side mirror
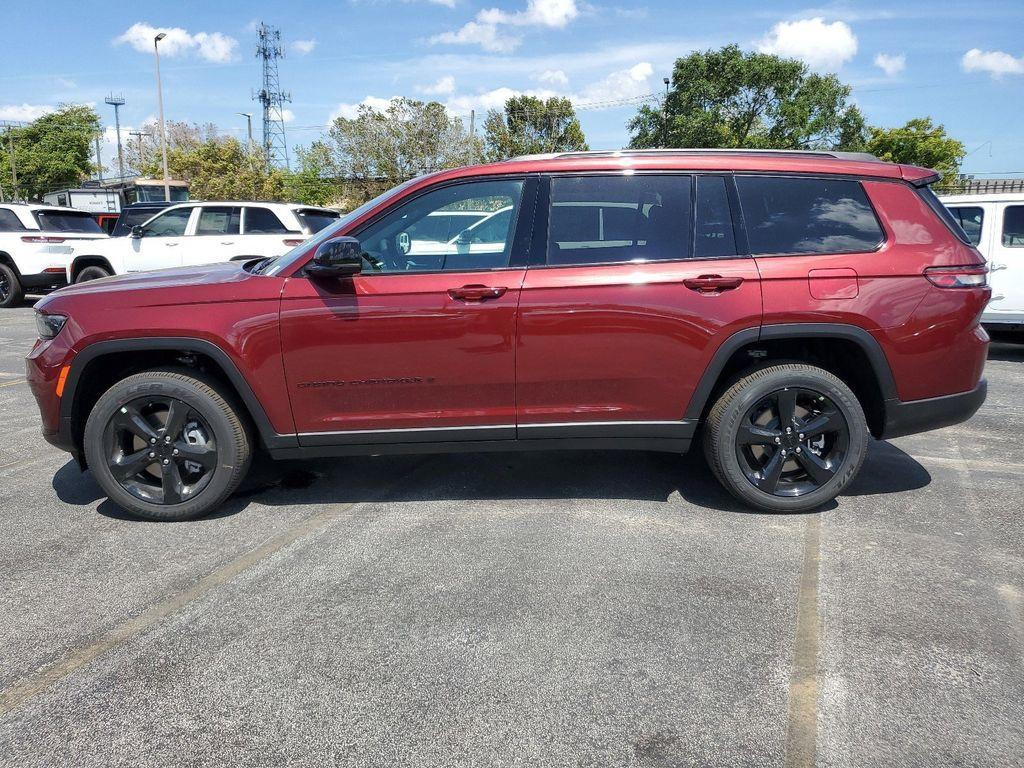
340,257
137,231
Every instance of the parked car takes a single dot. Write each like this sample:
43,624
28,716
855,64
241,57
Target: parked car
777,307
995,224
134,214
35,247
201,233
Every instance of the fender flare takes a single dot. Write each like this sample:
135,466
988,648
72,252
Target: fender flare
268,435
71,266
870,346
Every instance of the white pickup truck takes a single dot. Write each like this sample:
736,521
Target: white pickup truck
194,233
36,243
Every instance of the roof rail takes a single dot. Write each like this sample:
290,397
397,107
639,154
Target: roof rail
838,155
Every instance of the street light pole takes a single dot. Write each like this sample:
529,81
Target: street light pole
664,116
248,118
160,106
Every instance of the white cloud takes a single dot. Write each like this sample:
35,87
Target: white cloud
554,77
820,45
445,3
891,64
493,99
996,63
442,87
211,46
486,30
24,112
287,115
351,111
302,47
623,84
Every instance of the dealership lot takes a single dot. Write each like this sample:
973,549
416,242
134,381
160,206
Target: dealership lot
584,609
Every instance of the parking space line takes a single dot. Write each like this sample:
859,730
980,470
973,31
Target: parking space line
12,383
27,687
804,684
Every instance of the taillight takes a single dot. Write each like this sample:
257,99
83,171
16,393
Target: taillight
974,276
41,239
291,242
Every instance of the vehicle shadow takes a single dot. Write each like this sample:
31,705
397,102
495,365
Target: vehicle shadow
1009,352
542,475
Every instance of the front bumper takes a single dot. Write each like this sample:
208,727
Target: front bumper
913,416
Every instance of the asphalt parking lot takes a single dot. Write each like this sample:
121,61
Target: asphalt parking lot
589,609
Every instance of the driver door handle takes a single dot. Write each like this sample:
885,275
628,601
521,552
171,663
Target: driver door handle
712,284
477,292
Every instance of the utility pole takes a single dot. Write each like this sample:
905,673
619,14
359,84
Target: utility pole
99,159
160,103
138,135
272,97
664,116
14,168
117,102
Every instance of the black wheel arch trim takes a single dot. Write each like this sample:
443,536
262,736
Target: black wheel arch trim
66,437
863,339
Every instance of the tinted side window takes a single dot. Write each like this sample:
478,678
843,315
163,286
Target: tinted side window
396,242
609,219
714,235
263,221
807,215
315,219
218,221
970,219
66,221
9,221
168,224
1013,226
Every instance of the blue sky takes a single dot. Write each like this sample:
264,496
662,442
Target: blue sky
961,64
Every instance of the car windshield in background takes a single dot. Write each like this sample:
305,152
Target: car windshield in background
129,218
316,219
67,221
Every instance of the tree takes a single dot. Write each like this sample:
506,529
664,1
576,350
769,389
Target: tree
529,125
731,99
919,142
180,136
315,181
54,150
376,149
223,169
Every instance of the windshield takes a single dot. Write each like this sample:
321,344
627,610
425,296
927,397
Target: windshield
279,264
67,221
316,219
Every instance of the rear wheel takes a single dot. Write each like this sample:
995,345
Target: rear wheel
787,438
91,273
166,445
11,291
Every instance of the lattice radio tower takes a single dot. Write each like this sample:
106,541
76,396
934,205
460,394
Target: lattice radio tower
271,96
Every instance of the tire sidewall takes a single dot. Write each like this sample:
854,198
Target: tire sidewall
228,454
749,396
81,277
17,293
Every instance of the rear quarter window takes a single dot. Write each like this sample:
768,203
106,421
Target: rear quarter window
807,215
970,218
67,221
9,221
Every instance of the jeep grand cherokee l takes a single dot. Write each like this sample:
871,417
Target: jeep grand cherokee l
777,307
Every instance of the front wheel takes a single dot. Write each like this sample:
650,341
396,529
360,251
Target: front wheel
166,445
11,291
786,438
91,273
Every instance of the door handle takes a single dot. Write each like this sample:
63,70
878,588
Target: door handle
227,242
171,245
712,284
996,267
476,292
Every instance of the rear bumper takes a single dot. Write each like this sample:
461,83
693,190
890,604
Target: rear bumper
910,417
45,280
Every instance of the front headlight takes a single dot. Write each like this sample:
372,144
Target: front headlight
49,325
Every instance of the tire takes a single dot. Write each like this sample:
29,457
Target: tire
11,292
193,472
91,273
758,462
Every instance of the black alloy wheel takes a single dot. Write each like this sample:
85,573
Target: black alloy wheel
792,442
160,450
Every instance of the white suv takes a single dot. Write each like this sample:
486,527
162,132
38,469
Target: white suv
994,222
201,233
36,245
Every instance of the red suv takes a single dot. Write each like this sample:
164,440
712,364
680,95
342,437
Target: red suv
777,306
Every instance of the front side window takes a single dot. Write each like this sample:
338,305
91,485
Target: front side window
316,219
9,221
798,215
613,219
263,221
168,224
409,239
1013,226
220,220
67,221
970,219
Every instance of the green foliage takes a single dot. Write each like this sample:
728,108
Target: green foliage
313,183
224,169
53,151
731,99
919,142
529,125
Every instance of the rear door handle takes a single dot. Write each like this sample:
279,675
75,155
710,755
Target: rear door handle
476,292
171,245
227,242
712,283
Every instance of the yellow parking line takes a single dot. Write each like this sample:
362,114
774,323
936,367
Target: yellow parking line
12,383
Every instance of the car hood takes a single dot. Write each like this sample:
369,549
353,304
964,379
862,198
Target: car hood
227,281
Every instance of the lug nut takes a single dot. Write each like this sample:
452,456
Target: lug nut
801,435
167,439
166,462
798,449
152,455
789,430
778,440
152,440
